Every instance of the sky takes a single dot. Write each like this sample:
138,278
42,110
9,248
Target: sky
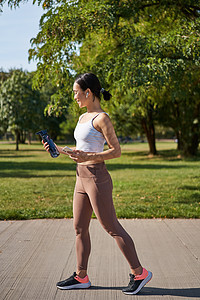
17,27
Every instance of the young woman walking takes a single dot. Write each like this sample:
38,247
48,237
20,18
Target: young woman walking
93,189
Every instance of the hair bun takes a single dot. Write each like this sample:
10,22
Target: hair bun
106,94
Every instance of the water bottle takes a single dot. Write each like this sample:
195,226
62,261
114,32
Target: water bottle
52,147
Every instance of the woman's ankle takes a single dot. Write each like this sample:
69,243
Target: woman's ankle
81,273
137,271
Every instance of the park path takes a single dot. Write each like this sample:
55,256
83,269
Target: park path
35,254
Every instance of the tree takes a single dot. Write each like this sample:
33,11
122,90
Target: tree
22,108
181,96
20,105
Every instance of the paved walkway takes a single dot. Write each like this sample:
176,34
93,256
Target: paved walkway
35,254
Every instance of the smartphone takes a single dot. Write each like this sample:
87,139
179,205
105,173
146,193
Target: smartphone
67,149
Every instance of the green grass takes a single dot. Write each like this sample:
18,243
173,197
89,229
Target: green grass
34,185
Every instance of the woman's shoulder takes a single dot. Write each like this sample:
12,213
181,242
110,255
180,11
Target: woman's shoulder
101,116
102,119
104,115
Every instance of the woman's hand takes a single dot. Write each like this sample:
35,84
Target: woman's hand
79,156
60,149
46,146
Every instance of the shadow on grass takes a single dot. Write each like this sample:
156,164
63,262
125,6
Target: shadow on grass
6,152
16,156
161,153
193,194
168,155
38,166
190,188
62,166
144,154
16,168
118,166
20,174
190,199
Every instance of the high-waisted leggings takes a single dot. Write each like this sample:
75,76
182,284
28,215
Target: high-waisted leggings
93,192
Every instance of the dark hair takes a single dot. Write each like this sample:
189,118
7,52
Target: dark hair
90,80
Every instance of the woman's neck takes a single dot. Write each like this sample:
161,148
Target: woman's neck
94,106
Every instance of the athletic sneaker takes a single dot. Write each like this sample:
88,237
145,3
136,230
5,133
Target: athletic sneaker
74,282
137,282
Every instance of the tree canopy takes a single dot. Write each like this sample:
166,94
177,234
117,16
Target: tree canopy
145,51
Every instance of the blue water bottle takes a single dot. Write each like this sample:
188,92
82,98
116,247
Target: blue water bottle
52,147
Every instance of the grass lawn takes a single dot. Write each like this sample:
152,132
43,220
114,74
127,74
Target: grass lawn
34,185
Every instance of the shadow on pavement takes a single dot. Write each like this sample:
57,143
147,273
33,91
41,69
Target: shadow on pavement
154,291
189,292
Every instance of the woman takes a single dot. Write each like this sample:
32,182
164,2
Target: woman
93,189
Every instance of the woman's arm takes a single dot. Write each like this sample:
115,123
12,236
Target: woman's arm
103,124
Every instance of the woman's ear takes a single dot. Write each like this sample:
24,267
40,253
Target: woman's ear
87,93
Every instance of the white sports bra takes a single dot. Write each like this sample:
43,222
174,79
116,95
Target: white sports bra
87,138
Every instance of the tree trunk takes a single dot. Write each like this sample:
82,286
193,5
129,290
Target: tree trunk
22,137
17,134
190,145
189,137
29,138
195,133
149,130
193,149
179,142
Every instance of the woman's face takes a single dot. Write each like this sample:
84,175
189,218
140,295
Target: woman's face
79,95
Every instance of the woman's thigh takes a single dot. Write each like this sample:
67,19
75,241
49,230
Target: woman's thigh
82,209
100,195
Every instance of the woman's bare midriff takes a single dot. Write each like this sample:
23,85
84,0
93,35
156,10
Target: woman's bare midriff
91,162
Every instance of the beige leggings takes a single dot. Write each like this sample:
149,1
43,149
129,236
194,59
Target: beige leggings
93,192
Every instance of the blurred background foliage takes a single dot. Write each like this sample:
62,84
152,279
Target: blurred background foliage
145,52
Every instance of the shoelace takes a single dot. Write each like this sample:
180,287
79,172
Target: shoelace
131,279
